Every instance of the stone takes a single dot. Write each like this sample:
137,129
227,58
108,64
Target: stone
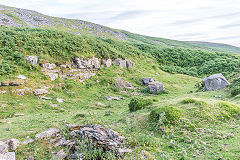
48,65
32,60
8,156
147,80
3,148
21,77
95,63
124,150
46,98
215,82
123,84
50,132
101,104
13,144
63,66
18,114
121,63
4,84
60,155
112,98
37,92
53,76
107,63
129,64
59,100
155,87
28,141
92,63
16,83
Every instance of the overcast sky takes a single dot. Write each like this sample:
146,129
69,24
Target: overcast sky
189,20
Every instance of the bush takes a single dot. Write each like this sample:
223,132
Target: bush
166,114
235,91
139,103
229,110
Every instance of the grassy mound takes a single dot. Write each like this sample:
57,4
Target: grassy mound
139,103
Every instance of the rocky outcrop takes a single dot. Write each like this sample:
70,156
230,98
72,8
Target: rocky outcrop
153,86
148,80
3,148
123,63
38,92
123,84
48,65
13,144
107,63
52,76
50,132
32,60
92,63
215,82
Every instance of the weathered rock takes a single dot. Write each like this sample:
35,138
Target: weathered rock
53,76
60,155
93,63
7,156
32,60
123,84
21,77
16,83
59,100
13,144
124,150
129,64
48,65
155,87
46,98
28,141
3,148
63,66
50,132
121,63
107,63
37,92
101,104
4,83
112,98
147,80
215,82
18,114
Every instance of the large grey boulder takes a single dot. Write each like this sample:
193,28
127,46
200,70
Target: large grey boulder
147,80
32,60
155,87
215,82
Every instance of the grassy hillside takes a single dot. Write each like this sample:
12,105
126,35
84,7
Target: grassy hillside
207,126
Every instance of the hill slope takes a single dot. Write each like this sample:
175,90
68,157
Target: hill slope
10,16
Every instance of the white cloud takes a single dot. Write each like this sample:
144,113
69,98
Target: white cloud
205,20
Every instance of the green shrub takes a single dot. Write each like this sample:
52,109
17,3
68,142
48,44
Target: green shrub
235,91
139,103
229,110
166,114
196,102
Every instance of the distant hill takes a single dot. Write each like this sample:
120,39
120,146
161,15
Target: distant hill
10,16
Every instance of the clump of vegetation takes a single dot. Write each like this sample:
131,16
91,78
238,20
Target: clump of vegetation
229,110
166,114
139,103
197,102
235,91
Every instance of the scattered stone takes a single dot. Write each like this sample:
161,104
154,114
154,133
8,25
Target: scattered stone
135,93
54,105
18,114
148,80
101,104
3,148
215,82
123,84
13,144
16,83
46,98
53,76
28,141
59,100
155,87
37,92
32,60
50,132
7,156
21,77
107,63
48,65
112,98
124,150
60,155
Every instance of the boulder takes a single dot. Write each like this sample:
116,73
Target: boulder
148,80
215,82
107,63
123,84
37,92
32,60
121,63
95,63
50,132
16,83
8,156
13,144
155,87
129,64
92,63
3,148
48,65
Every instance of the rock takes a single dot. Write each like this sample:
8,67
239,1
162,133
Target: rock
4,84
53,76
46,98
3,148
32,60
107,63
59,100
123,84
60,155
37,92
121,63
2,92
18,114
63,66
112,98
129,64
93,63
13,144
215,82
48,65
50,132
28,141
7,156
147,80
21,77
16,83
155,87
124,150
100,104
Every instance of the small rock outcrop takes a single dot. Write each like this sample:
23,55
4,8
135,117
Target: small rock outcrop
13,144
32,60
123,84
38,92
148,80
107,63
3,148
92,63
52,76
50,132
153,86
123,63
215,82
48,65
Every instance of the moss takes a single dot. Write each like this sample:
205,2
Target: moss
167,114
139,103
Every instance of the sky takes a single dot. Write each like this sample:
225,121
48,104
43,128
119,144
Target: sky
187,20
